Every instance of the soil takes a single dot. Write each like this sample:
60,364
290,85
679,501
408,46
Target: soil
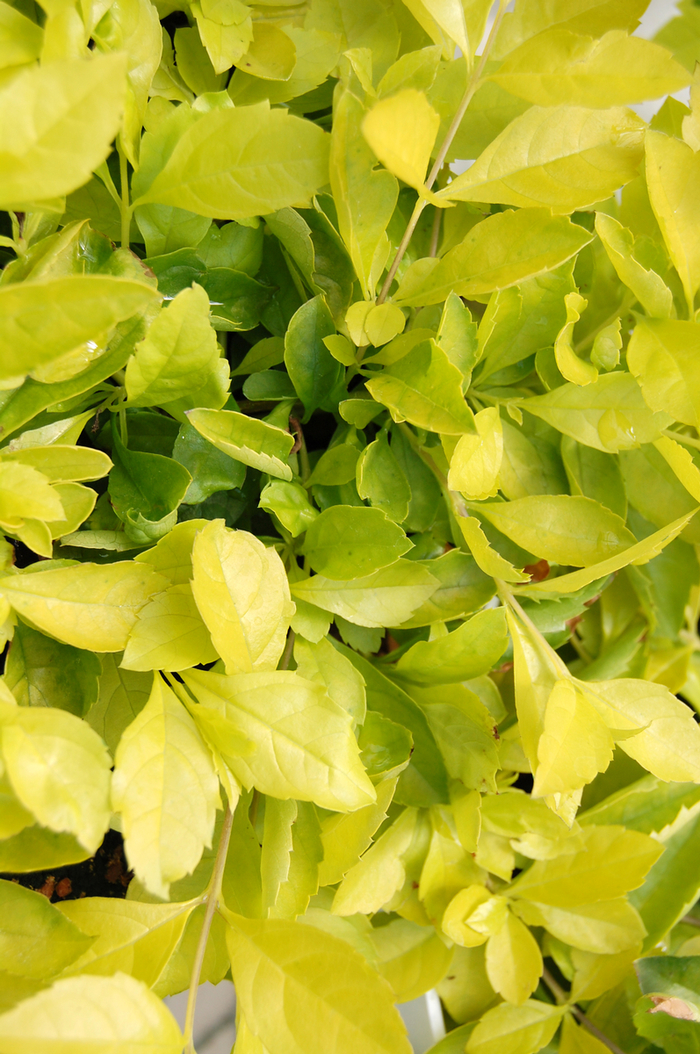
103,875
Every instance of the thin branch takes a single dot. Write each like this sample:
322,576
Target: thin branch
472,85
435,233
561,997
288,649
213,894
690,920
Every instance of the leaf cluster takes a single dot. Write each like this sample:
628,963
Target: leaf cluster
348,498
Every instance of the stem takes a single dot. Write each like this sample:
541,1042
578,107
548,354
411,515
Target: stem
213,894
561,997
303,452
435,233
688,440
124,207
472,85
690,920
507,599
287,654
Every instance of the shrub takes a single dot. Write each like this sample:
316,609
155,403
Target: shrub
350,578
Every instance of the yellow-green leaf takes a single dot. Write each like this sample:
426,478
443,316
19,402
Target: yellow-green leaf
166,790
247,439
673,179
95,1015
513,961
305,992
511,1029
401,130
563,157
476,461
575,745
91,606
58,122
651,290
663,355
303,745
242,593
169,634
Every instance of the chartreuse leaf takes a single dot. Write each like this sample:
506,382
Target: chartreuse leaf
211,470
122,695
341,1000
380,873
470,650
489,560
59,121
651,290
20,38
41,671
178,354
165,789
571,367
611,862
609,414
641,553
401,130
663,357
476,461
256,443
246,161
60,771
36,940
47,318
513,961
242,593
575,744
425,389
509,1029
346,541
290,860
322,662
559,66
356,182
127,935
412,958
391,594
61,463
579,16
345,836
99,1015
672,176
604,928
497,253
562,157
561,528
169,634
303,743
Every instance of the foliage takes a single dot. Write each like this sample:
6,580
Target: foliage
350,565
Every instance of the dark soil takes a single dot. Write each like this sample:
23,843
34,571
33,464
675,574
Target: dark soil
103,875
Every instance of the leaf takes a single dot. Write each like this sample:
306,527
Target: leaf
104,1015
605,928
611,862
241,590
672,885
561,157
610,414
323,663
576,1039
662,355
60,771
59,462
641,553
581,16
291,854
169,634
425,389
470,650
559,66
129,936
166,790
511,1029
42,672
672,175
122,695
651,290
178,354
145,490
211,470
561,528
336,543
489,560
381,480
571,367
76,101
44,319
391,594
668,740
313,371
401,130
500,251
575,744
341,997
222,166
304,746
355,180
255,443
513,961
36,940
411,958
476,461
